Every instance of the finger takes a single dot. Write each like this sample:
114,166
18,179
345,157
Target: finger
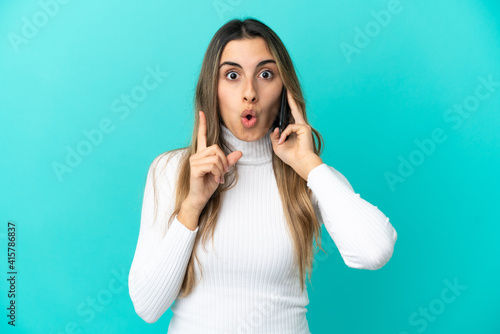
211,168
213,151
217,162
217,171
297,116
288,130
202,132
222,156
233,157
275,136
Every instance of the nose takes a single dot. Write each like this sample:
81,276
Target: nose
249,92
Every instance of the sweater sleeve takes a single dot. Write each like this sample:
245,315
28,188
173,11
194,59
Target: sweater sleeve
362,233
160,261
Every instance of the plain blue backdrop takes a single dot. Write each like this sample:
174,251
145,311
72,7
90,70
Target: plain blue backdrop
405,93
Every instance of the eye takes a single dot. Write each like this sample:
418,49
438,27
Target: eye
229,72
233,77
272,73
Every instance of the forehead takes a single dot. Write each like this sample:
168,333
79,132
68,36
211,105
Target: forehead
246,52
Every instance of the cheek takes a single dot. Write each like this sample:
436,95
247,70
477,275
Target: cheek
223,94
274,103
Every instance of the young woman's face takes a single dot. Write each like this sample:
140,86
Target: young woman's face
250,81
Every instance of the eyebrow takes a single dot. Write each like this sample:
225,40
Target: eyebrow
238,65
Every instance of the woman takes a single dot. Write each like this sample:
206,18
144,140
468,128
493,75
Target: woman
261,199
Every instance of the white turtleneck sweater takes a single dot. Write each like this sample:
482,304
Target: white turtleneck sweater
250,282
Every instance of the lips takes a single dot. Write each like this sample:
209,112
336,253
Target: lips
247,113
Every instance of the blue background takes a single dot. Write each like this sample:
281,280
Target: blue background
76,233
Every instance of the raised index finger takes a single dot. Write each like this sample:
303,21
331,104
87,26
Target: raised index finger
202,133
297,116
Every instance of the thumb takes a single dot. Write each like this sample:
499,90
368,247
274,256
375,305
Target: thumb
233,157
275,136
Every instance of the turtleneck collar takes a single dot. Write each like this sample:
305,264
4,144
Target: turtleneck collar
255,152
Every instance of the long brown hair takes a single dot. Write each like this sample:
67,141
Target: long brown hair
296,196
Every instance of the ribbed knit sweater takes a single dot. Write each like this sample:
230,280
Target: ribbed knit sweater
250,281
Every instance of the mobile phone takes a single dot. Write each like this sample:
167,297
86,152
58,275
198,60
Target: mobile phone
283,117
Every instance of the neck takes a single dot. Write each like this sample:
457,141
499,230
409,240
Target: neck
255,152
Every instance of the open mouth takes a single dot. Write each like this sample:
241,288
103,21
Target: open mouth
249,121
